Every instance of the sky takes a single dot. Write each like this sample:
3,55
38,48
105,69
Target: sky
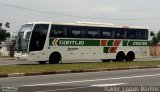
118,12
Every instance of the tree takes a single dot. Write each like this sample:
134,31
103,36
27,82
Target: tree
158,36
155,40
152,33
3,32
154,43
7,24
0,25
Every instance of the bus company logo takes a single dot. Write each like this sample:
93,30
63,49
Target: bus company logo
63,42
70,43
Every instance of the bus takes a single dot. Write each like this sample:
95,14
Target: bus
62,42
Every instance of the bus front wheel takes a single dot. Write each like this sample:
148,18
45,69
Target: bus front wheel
55,58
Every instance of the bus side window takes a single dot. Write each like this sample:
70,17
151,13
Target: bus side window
53,32
106,35
58,31
119,33
75,31
143,34
93,33
131,34
38,37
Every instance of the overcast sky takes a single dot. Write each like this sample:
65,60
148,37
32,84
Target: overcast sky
107,10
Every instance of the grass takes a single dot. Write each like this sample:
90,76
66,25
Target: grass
76,66
6,57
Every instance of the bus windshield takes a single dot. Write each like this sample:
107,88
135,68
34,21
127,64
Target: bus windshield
23,37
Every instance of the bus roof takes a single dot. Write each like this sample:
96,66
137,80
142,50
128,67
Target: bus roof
91,24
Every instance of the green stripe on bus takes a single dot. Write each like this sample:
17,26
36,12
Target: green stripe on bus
79,42
91,42
125,43
74,42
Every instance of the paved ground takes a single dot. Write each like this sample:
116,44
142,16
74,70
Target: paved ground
107,81
127,80
148,58
12,62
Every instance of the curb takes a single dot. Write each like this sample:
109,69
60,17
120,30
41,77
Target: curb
74,71
3,75
15,74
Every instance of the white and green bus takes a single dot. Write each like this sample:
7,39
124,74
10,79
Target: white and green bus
56,42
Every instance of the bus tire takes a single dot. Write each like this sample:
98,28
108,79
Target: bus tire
130,56
105,60
55,58
42,62
120,56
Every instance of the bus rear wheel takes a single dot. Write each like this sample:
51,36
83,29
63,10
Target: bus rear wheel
130,56
120,57
55,58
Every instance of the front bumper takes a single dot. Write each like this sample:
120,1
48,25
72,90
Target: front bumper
21,57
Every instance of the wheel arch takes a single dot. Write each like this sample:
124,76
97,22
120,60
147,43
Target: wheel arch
54,52
120,52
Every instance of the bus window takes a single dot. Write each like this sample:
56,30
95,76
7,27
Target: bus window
132,34
143,34
75,32
119,33
28,35
58,31
38,37
106,33
92,33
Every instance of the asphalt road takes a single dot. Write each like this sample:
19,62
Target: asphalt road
14,62
136,80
